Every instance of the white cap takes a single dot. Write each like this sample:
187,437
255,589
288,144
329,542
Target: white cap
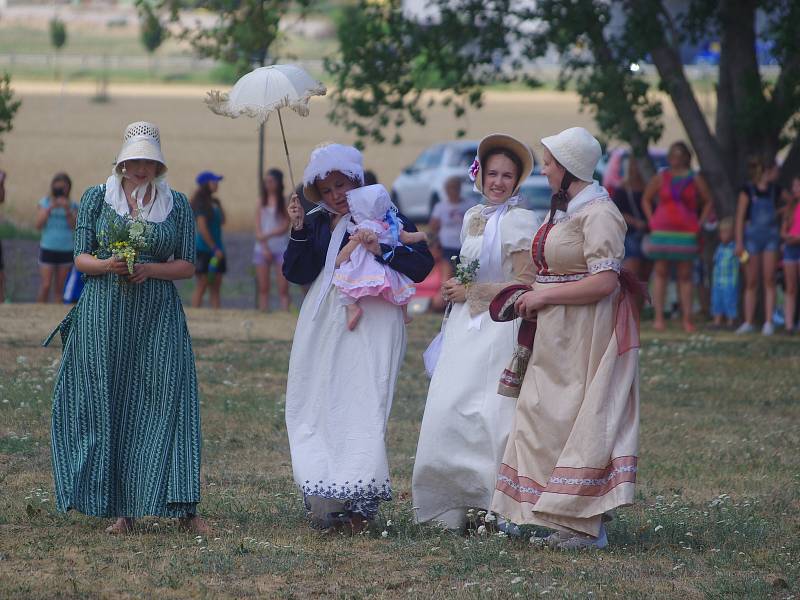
325,160
576,150
141,140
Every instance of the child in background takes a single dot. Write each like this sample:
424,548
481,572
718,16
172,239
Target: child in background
357,273
447,220
725,277
790,232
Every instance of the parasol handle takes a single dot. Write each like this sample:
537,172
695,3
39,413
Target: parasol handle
286,150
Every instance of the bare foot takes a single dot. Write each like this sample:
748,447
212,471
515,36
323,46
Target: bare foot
688,327
194,524
354,313
659,325
121,526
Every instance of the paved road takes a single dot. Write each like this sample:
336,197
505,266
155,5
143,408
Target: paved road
238,287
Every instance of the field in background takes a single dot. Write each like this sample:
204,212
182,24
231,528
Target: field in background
62,128
716,513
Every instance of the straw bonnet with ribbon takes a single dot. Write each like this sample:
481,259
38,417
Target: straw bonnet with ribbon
506,142
576,150
141,141
491,259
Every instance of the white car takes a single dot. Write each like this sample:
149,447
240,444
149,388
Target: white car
421,185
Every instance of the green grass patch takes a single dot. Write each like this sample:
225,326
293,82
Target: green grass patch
716,513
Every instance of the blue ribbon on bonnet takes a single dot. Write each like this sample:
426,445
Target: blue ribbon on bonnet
394,230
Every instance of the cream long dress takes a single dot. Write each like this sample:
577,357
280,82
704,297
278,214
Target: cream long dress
572,452
466,423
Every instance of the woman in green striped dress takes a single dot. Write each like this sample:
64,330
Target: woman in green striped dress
126,423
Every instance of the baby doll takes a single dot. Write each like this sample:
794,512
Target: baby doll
357,273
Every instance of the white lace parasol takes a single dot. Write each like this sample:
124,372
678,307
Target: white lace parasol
266,90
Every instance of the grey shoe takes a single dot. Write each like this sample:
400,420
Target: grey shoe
585,542
768,328
745,328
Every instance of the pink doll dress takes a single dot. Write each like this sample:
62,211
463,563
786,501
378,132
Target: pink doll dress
372,209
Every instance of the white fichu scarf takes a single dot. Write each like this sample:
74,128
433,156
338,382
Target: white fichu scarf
491,259
337,235
160,199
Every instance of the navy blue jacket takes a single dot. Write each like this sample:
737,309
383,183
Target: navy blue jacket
304,259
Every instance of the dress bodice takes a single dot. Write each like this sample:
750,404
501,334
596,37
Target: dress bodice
173,237
516,228
589,240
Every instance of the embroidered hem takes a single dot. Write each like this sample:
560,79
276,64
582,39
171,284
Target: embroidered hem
574,481
356,497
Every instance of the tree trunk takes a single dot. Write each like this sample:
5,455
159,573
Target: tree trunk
670,69
791,164
740,135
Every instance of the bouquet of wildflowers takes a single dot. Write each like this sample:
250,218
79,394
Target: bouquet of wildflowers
466,272
125,238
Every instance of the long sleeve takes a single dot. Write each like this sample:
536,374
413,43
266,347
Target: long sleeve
185,244
305,255
85,235
415,263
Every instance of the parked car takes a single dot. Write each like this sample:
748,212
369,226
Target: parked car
536,195
613,166
421,185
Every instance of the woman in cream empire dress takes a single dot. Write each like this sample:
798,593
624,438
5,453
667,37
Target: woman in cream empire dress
572,452
466,422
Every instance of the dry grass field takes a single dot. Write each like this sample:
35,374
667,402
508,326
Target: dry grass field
716,514
61,128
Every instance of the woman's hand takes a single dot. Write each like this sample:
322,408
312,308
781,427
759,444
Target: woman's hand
739,249
454,291
296,212
219,254
266,252
529,304
117,266
141,272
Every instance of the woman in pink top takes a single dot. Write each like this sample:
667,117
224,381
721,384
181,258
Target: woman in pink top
790,232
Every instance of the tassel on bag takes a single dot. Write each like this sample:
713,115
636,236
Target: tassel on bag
501,309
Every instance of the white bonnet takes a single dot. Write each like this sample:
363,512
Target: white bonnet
325,160
576,150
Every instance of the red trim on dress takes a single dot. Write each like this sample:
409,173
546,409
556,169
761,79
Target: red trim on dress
573,481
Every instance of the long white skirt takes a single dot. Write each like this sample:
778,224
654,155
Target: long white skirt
466,422
338,397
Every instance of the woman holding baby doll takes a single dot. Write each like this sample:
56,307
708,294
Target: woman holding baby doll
466,421
342,374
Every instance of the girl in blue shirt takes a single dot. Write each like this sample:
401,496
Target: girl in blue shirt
56,220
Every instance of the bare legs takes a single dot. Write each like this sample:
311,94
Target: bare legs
263,281
50,275
685,290
354,313
766,264
199,290
791,272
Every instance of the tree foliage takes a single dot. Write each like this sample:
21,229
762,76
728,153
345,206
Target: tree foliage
8,107
153,33
58,33
245,33
465,45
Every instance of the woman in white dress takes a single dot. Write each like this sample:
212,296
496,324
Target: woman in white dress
466,422
341,382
